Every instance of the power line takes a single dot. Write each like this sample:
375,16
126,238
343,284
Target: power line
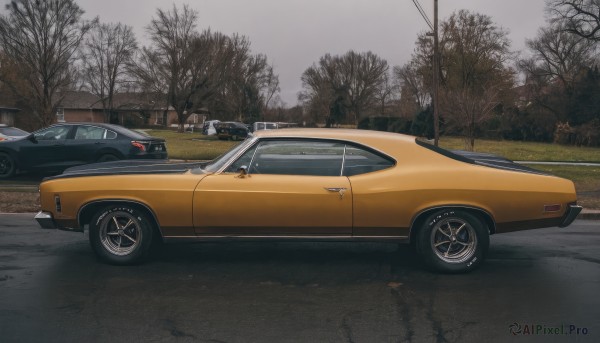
423,14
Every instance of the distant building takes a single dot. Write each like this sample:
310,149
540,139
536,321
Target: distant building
130,109
7,115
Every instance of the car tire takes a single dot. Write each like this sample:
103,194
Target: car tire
107,158
8,167
453,241
234,138
121,235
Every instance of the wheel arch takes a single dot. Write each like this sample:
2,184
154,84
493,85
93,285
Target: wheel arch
420,217
87,211
109,151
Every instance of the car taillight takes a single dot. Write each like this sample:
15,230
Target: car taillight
138,145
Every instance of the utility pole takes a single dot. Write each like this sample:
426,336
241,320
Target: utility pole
436,75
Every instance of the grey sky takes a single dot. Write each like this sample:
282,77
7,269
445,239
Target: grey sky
295,33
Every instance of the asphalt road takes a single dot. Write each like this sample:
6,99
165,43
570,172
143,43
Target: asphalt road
52,289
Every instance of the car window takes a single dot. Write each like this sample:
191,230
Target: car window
244,160
58,132
89,132
94,132
360,161
111,134
298,157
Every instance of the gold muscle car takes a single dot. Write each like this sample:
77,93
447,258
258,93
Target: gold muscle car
317,184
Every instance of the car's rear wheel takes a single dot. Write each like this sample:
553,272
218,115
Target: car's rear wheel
121,234
453,241
8,166
107,158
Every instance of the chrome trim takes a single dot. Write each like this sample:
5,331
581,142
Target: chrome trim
343,160
348,238
343,141
236,156
45,220
412,222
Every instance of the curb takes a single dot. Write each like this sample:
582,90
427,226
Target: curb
589,215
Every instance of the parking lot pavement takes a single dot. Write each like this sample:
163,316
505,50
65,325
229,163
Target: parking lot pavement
542,282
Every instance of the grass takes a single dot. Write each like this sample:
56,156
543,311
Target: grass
192,146
527,151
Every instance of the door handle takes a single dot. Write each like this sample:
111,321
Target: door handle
339,190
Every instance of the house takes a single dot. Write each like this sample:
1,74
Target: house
130,109
7,115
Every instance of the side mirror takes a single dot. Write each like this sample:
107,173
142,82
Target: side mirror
32,138
243,171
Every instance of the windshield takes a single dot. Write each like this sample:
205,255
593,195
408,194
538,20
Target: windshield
220,161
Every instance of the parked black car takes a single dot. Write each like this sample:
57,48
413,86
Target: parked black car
231,130
60,146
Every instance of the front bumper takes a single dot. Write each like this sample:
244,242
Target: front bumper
46,220
570,216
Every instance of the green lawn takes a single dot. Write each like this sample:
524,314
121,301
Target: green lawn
527,151
192,146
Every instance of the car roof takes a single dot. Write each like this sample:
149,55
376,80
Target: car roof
389,142
342,134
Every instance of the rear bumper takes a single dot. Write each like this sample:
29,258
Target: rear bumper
570,215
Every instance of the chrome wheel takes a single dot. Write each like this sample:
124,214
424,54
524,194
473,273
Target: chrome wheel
453,240
120,233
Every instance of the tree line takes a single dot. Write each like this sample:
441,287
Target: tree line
550,92
47,49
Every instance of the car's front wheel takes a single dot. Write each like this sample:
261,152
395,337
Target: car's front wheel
8,166
121,234
453,241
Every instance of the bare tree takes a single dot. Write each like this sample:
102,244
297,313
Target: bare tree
348,82
410,77
166,66
271,86
248,85
580,17
474,53
558,55
43,36
386,91
106,55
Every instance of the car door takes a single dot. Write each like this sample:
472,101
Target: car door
292,187
87,141
47,151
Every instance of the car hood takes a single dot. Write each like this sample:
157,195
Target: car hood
129,167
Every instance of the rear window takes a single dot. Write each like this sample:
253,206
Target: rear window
443,151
